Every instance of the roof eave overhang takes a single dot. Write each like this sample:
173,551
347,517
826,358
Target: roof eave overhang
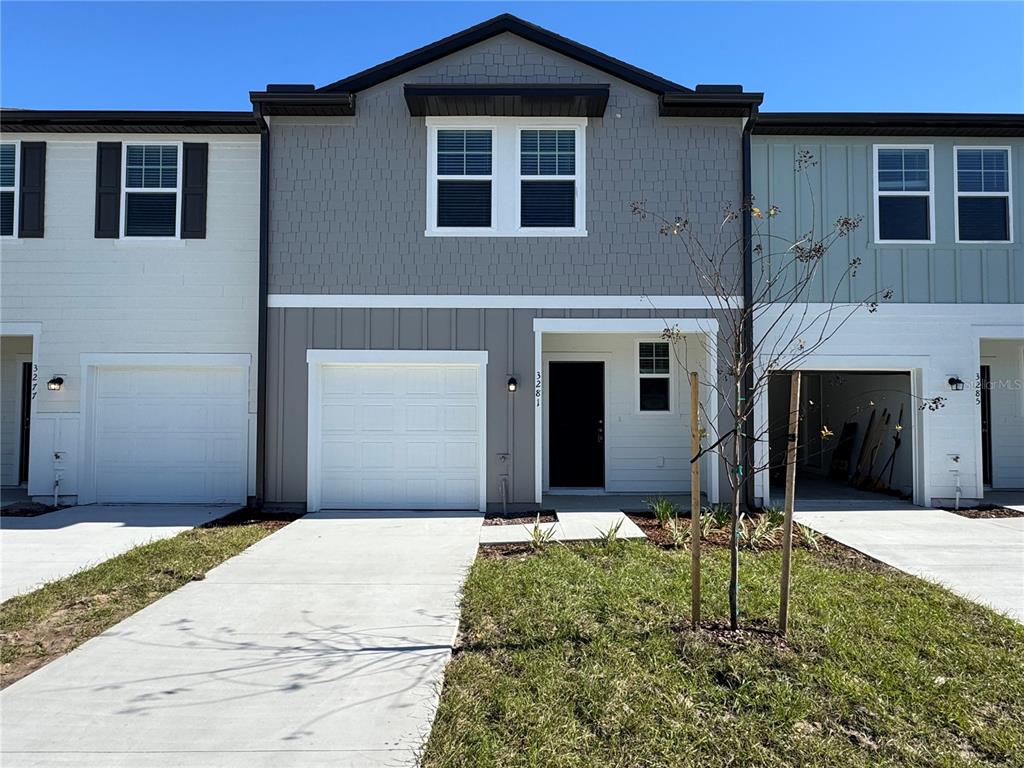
507,100
889,124
679,104
305,103
123,121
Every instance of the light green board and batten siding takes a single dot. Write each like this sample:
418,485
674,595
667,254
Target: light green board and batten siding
841,184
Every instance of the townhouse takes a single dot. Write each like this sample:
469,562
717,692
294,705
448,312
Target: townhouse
129,267
422,286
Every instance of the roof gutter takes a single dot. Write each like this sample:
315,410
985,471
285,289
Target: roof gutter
262,311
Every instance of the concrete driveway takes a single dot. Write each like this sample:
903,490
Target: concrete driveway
982,560
323,644
35,550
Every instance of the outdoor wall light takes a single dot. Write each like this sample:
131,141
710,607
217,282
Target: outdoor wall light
513,385
956,383
55,384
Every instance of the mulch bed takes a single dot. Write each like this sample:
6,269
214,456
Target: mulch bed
248,516
985,512
520,518
29,509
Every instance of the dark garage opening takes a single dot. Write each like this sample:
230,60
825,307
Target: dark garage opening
854,440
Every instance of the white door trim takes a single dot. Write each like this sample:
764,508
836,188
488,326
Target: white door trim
708,327
317,358
34,331
91,361
484,301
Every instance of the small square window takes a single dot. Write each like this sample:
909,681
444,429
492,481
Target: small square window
654,357
654,394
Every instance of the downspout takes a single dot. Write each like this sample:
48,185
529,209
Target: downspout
261,370
747,385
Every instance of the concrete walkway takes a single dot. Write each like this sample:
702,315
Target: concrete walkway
982,560
323,644
35,550
571,526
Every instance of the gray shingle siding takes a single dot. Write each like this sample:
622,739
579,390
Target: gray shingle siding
348,195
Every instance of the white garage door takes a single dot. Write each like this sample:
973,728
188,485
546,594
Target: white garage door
400,436
171,434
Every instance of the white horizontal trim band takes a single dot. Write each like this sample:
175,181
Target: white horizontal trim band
481,301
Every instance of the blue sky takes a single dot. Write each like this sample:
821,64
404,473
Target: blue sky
877,56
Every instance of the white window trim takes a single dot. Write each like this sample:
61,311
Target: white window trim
930,193
15,229
1008,194
505,176
637,376
578,179
135,191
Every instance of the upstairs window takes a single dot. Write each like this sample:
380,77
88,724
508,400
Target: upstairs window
547,191
982,194
505,177
655,376
464,165
903,194
151,190
8,188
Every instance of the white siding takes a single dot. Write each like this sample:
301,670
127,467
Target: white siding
645,452
117,296
1006,361
934,342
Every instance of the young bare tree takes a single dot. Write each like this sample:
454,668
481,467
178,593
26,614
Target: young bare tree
777,330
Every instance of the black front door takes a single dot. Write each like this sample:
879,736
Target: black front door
986,425
576,425
26,421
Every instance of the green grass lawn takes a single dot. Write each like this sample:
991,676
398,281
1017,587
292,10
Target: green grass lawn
39,626
581,656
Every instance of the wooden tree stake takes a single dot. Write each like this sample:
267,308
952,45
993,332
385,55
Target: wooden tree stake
694,499
787,526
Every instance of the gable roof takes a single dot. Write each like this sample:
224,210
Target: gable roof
506,22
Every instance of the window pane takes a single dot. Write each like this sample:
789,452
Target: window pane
150,215
983,218
903,218
548,204
903,170
151,167
654,395
982,170
7,213
547,152
463,203
464,153
654,357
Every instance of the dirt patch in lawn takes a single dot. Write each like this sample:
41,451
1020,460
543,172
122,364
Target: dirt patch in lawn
986,512
521,518
43,625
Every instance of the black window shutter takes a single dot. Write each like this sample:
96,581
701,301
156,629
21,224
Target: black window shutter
193,190
33,188
108,189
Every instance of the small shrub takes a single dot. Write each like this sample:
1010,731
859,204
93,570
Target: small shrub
808,537
541,535
774,514
720,515
681,534
764,533
610,539
707,525
663,509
